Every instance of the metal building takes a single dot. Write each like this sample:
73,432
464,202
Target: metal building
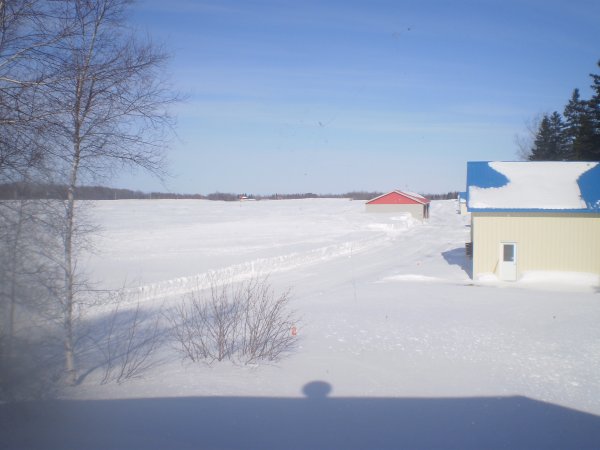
399,201
534,216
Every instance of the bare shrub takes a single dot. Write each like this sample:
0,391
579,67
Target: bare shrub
243,322
267,322
188,332
206,329
220,317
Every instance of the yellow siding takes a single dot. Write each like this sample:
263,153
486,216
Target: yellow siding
564,242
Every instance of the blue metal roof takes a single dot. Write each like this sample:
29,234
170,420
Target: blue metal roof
481,175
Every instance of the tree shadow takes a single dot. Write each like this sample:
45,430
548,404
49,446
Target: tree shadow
316,421
108,340
458,257
316,390
33,367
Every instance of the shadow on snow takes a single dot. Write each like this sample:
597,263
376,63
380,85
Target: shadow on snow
458,257
313,422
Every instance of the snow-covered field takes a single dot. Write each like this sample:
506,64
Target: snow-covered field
398,347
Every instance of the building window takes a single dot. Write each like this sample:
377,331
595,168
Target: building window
509,253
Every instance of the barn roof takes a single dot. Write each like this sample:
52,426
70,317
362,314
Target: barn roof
410,195
561,186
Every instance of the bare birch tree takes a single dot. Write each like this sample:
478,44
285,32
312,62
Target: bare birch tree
27,41
28,37
28,275
110,111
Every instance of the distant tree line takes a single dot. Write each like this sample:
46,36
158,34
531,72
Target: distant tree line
574,135
36,191
354,195
223,196
446,196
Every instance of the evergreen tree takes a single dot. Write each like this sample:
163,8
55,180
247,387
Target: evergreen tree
542,141
579,130
593,151
550,142
577,138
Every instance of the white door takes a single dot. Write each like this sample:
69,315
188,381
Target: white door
508,261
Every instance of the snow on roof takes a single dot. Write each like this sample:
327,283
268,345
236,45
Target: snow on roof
543,185
416,197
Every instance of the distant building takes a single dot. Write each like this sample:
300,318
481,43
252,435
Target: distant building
462,203
534,216
398,201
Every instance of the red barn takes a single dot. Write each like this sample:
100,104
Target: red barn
398,201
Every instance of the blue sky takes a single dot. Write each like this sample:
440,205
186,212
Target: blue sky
334,96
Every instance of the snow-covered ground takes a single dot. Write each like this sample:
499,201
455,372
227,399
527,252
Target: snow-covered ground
393,330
